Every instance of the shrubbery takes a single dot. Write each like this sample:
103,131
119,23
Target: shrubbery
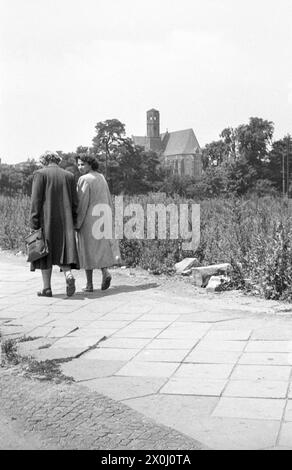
254,234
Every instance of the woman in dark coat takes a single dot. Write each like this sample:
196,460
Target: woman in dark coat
54,208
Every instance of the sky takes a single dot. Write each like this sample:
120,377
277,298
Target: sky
204,64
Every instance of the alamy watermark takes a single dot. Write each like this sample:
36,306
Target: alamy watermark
152,221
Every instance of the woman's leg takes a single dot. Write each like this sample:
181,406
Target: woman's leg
89,281
46,275
70,281
106,279
47,291
105,273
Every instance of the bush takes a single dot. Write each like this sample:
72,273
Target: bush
14,222
253,234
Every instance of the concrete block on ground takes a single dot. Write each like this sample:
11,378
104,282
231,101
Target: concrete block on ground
202,274
186,264
215,283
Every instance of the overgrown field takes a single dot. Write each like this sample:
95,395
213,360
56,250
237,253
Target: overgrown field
255,235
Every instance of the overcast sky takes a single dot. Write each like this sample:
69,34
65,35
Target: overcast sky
205,64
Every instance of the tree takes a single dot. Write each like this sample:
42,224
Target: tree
136,171
280,163
254,140
229,137
215,153
110,135
240,176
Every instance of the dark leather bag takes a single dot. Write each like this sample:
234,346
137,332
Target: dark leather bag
37,246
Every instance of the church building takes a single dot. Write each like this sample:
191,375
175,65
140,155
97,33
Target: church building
180,150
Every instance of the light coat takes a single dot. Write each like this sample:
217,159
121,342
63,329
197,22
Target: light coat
94,253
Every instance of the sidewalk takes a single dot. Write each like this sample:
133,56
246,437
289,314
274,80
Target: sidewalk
216,367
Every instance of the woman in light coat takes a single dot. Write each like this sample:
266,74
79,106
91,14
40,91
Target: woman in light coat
94,252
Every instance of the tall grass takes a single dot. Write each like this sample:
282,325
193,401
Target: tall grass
254,235
14,222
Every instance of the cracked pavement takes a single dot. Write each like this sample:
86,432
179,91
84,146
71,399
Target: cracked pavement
212,368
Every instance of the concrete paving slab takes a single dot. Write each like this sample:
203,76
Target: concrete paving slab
207,317
159,317
204,371
172,333
60,332
221,346
12,330
140,325
41,331
228,335
193,386
236,434
57,353
250,408
123,388
212,357
130,333
83,314
170,308
261,372
117,316
244,323
115,325
279,359
256,389
125,343
172,344
288,411
26,347
190,326
81,342
273,334
190,414
161,355
285,438
88,331
174,410
148,369
100,306
83,369
269,346
134,308
117,354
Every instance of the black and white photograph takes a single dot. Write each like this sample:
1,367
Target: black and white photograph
145,228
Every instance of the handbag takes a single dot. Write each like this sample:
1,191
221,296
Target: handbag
37,246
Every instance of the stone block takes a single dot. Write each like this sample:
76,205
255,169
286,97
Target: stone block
207,271
215,283
186,264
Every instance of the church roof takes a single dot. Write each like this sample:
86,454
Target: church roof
142,141
179,142
173,143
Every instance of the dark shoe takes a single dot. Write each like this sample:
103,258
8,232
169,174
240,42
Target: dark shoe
106,283
70,286
88,289
45,293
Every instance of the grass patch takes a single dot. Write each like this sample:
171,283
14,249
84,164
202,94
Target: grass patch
24,338
41,370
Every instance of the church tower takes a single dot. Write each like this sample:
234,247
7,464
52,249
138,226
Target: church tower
153,123
153,130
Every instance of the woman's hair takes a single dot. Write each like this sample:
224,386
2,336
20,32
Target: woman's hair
50,157
92,161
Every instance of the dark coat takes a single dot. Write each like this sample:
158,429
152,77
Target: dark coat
54,208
